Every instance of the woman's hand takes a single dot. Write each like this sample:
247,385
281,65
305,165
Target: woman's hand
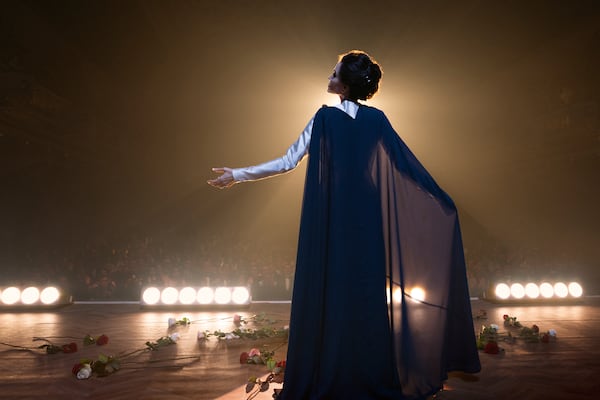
225,180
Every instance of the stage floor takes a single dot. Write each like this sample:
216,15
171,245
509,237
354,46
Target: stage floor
210,369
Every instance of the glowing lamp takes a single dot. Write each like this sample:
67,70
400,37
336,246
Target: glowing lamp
187,295
50,295
502,291
532,290
417,294
169,295
222,295
575,289
10,295
546,290
561,290
240,295
190,296
206,295
517,291
151,296
30,295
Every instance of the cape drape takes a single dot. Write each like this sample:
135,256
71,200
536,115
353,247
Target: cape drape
380,306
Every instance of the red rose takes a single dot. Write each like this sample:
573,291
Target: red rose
535,329
76,368
244,358
281,364
505,316
69,348
491,348
102,340
545,338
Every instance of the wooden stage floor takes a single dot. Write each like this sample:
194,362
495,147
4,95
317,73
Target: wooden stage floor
563,369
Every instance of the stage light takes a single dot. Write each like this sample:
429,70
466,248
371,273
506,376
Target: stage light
561,290
417,294
30,295
517,291
575,289
396,295
169,295
222,295
532,290
502,291
190,296
50,295
206,295
187,295
240,295
546,290
151,296
10,295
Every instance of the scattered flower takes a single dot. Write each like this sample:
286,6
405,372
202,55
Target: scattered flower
254,352
69,348
491,348
174,322
511,321
100,340
84,372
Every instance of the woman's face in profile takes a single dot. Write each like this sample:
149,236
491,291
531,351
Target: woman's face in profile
335,84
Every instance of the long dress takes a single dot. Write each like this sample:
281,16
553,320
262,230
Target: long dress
375,229
380,307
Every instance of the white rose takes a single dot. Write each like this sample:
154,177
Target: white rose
494,327
172,321
174,337
552,332
230,336
85,372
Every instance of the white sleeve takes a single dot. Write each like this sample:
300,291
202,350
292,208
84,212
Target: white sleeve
295,153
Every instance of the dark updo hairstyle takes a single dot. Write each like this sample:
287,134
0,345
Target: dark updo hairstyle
360,73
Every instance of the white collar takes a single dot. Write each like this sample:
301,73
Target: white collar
349,107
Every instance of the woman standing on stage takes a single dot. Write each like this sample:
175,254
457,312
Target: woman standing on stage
380,308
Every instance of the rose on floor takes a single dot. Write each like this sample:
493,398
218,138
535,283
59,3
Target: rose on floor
491,348
100,340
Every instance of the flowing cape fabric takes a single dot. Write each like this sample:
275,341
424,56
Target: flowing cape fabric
375,228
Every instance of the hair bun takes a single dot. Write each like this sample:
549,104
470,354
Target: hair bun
361,73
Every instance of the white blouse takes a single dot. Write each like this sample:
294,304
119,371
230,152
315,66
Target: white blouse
294,154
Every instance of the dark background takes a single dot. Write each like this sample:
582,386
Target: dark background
113,112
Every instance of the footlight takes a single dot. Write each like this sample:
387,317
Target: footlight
194,297
33,297
536,292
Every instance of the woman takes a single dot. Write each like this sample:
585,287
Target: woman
380,308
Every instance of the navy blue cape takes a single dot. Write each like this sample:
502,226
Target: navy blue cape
375,228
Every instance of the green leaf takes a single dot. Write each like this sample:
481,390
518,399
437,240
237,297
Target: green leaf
250,386
264,386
